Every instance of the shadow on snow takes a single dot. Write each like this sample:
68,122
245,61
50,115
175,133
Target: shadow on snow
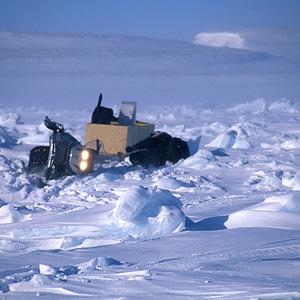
209,224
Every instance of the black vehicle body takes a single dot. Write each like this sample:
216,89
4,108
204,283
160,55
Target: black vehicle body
65,155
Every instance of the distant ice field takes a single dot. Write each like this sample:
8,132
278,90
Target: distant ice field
70,70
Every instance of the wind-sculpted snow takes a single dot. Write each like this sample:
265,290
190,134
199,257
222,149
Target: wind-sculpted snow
143,213
258,105
277,211
284,105
139,213
230,139
222,223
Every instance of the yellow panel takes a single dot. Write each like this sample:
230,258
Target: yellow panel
117,137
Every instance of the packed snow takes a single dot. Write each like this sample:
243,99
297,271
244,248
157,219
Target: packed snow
223,223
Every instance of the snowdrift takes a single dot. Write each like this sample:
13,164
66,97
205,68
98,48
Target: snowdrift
141,213
275,212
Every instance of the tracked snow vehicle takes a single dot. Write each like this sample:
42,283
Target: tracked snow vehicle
65,155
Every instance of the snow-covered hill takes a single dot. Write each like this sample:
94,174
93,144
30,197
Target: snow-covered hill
224,223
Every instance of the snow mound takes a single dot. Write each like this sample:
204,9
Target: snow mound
283,142
175,184
41,283
6,139
203,159
293,183
169,183
257,105
9,119
9,214
291,144
275,212
215,127
230,139
286,203
283,105
264,182
131,203
220,39
93,264
143,213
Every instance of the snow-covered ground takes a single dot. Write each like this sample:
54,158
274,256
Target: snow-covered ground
222,224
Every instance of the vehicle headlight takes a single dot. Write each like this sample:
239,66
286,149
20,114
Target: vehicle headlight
83,165
85,155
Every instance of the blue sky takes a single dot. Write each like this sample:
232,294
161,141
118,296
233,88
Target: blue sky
167,19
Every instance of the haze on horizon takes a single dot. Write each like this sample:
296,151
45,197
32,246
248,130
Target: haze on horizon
168,19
